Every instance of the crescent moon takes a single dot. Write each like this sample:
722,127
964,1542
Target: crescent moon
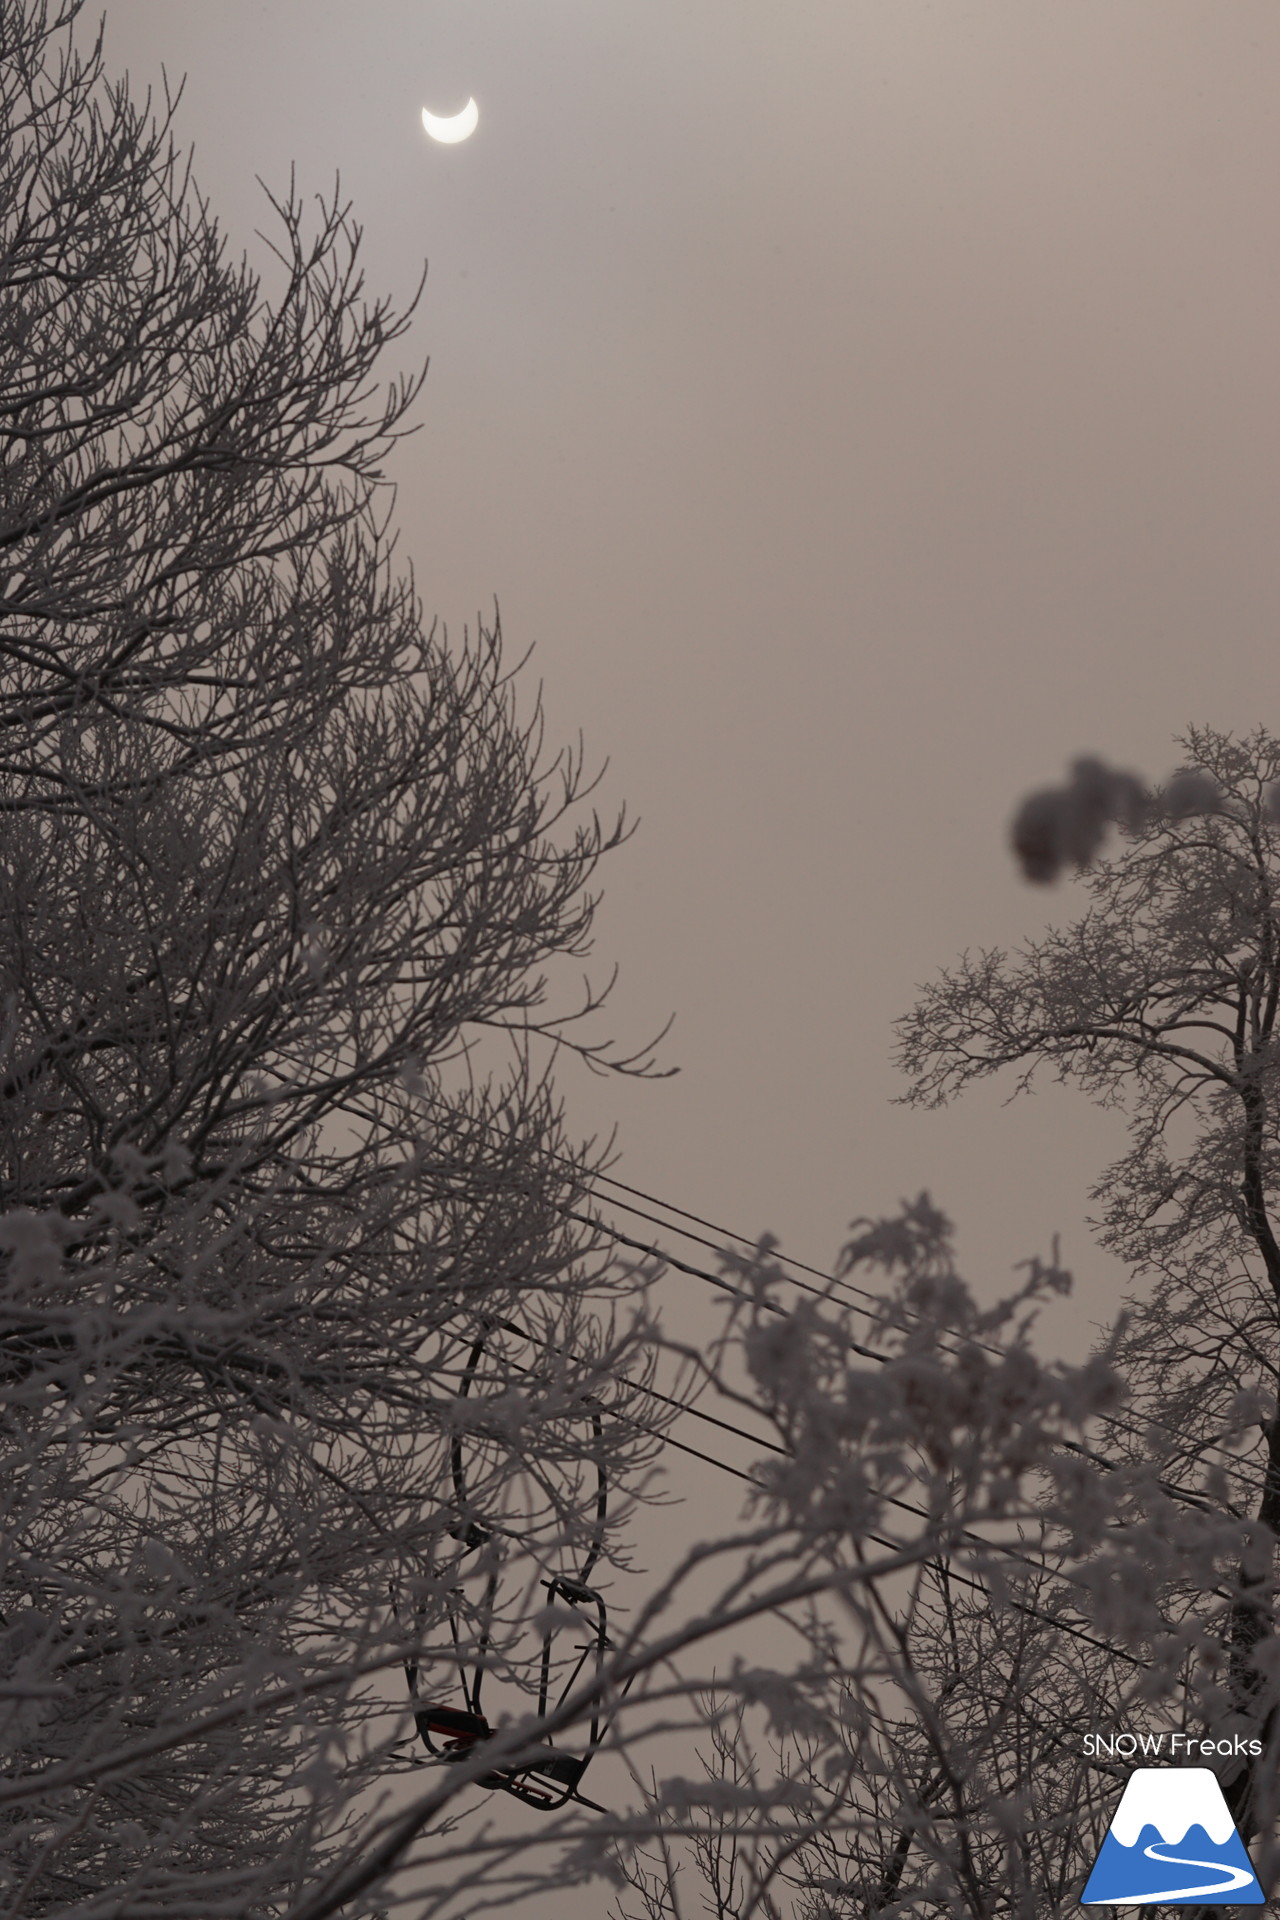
454,127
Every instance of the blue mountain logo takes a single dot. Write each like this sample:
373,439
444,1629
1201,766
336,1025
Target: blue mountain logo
1172,1842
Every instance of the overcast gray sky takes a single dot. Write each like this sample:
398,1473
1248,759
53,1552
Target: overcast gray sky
862,409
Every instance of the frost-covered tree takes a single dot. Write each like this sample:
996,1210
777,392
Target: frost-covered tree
969,1789
928,1758
1161,1001
887,1455
281,876
305,1328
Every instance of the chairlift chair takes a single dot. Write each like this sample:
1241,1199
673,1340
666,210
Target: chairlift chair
551,1776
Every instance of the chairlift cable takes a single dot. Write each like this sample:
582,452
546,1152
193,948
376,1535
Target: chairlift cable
1183,1494
1117,1423
892,1546
665,1439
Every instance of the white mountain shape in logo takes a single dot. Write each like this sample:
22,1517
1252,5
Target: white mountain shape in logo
1210,1869
1171,1799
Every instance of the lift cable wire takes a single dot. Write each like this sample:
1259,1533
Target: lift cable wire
893,1546
902,1325
1187,1496
663,1255
943,1571
1119,1424
1182,1495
